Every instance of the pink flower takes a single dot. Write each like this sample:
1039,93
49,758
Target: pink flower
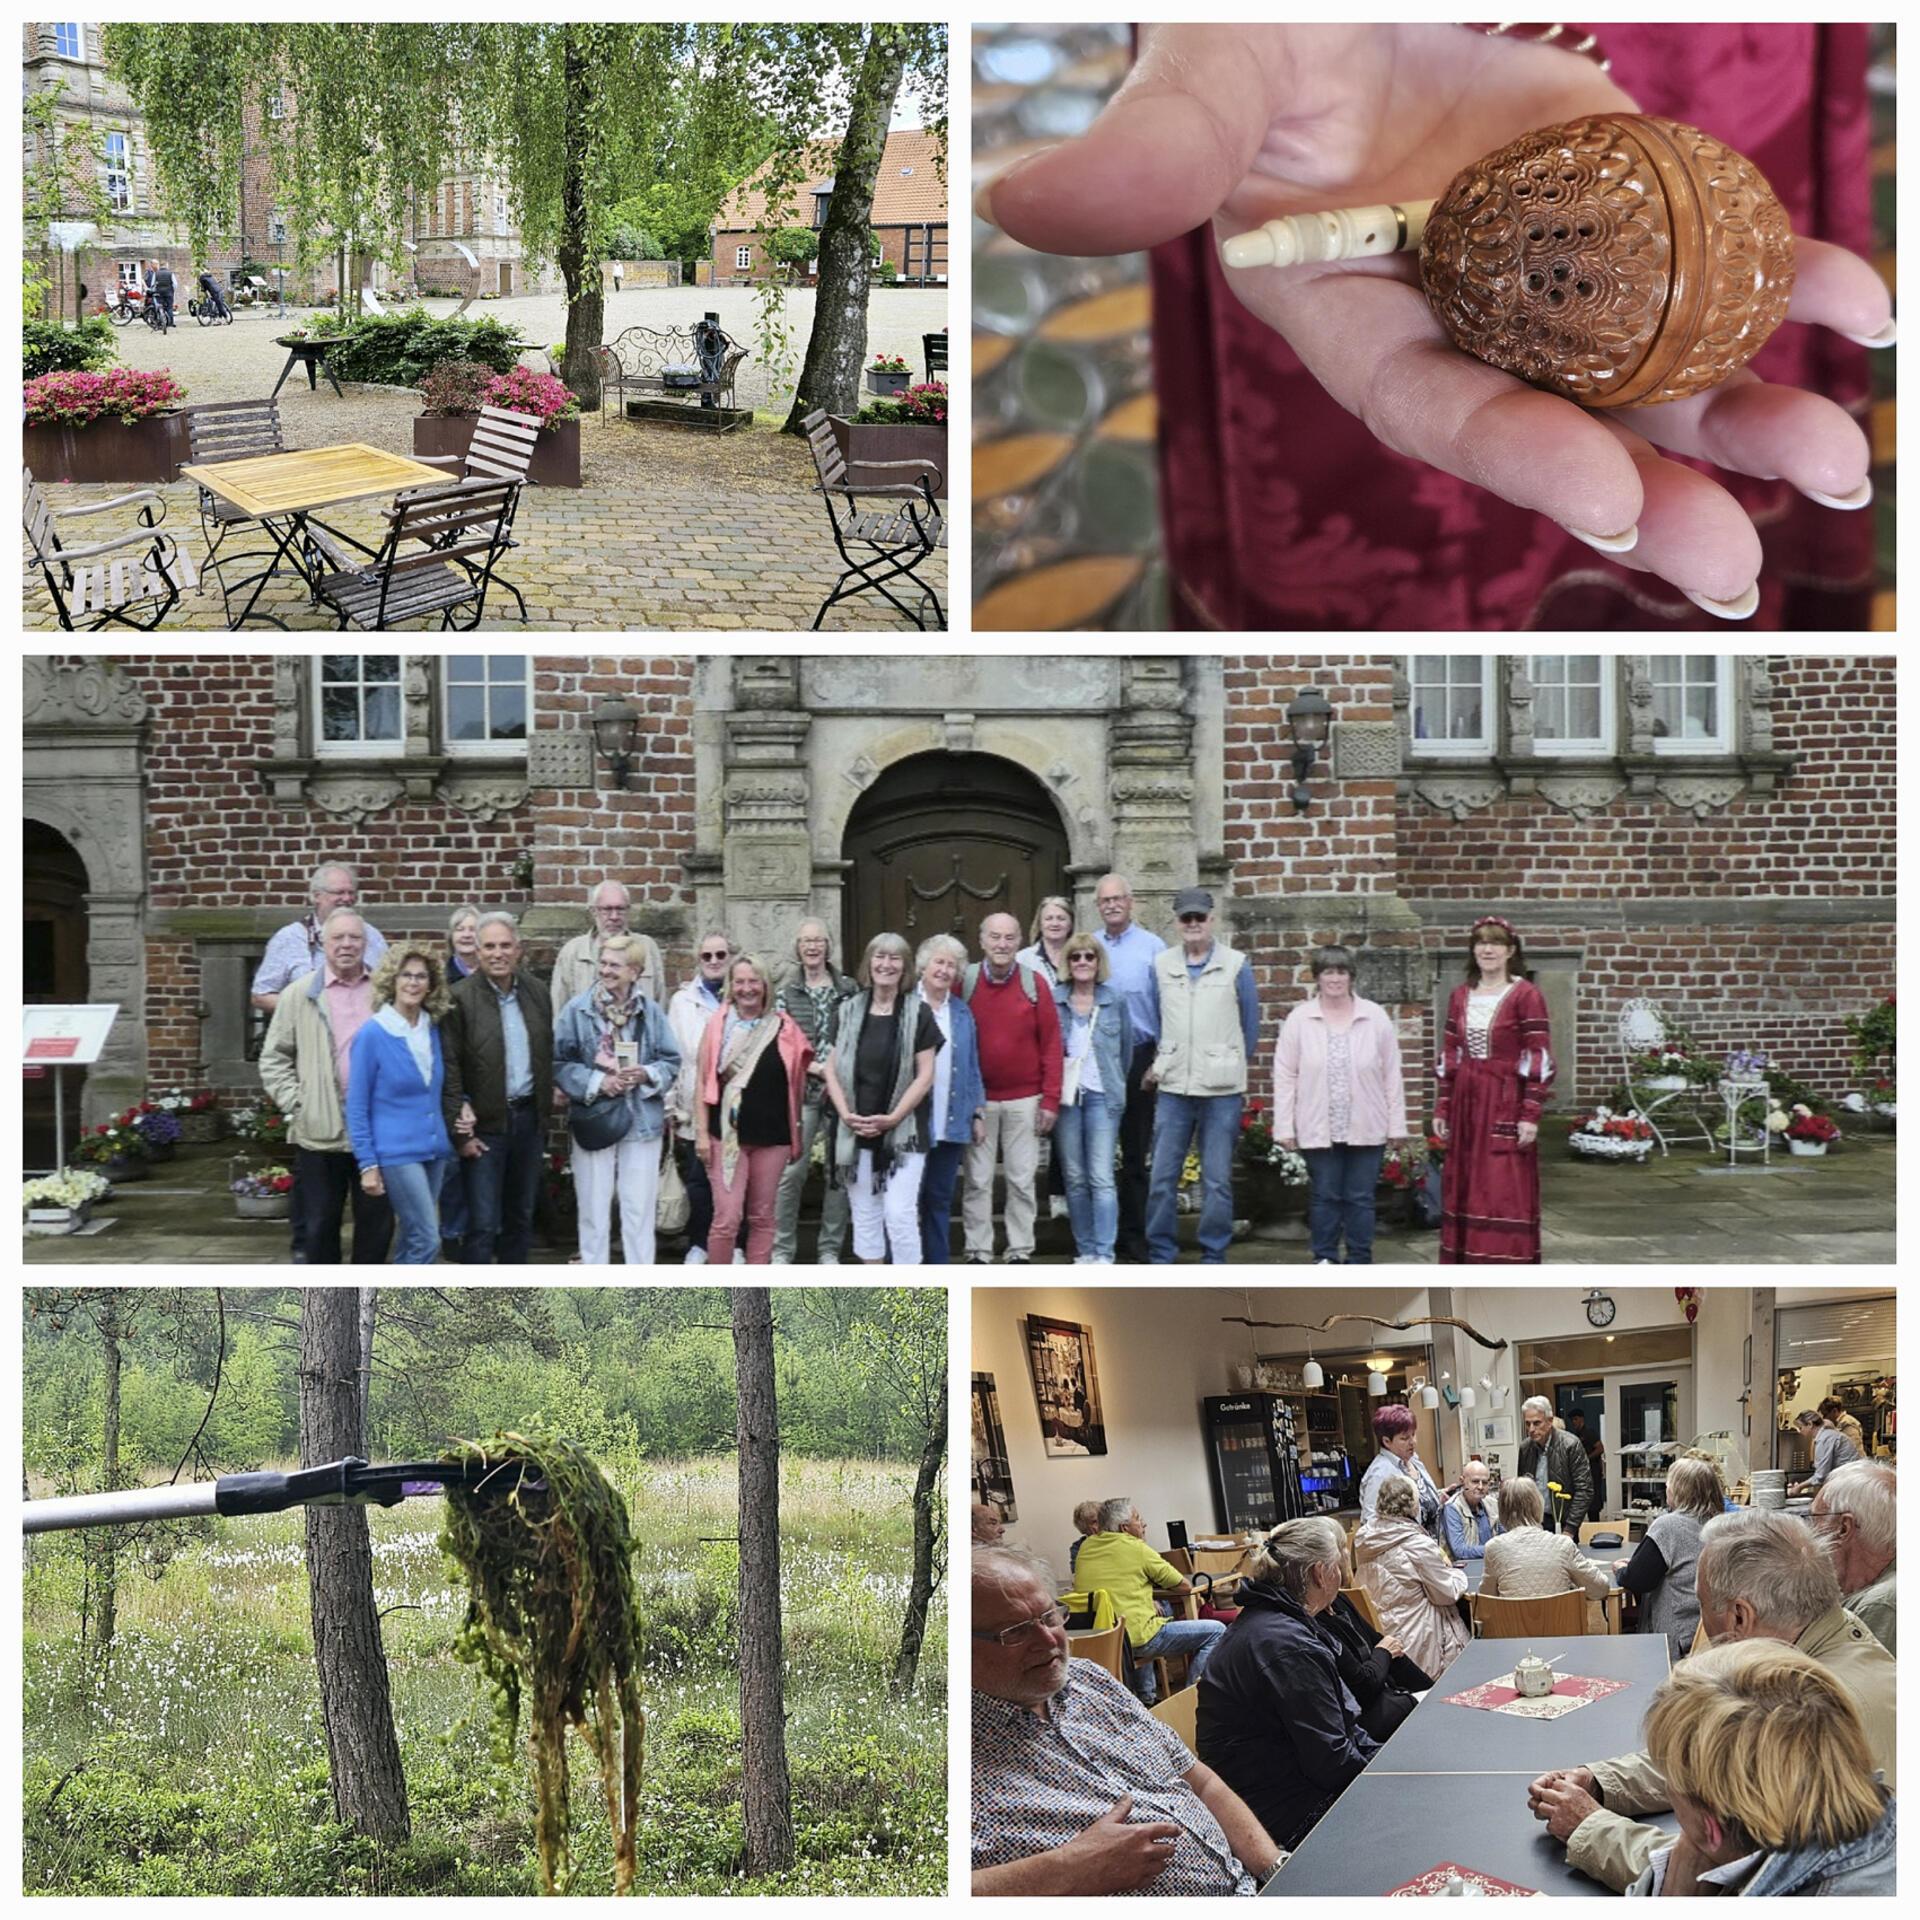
79,399
540,394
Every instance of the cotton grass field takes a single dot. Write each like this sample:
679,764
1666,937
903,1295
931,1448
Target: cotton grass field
194,1761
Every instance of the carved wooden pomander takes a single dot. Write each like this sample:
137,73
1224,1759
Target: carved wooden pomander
1620,260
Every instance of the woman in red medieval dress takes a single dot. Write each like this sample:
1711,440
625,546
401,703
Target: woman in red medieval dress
1494,1071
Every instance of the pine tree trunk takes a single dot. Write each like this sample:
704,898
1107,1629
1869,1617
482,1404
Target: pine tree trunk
766,1795
913,1629
586,303
837,349
363,1751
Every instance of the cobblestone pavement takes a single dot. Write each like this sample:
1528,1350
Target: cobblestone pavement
1836,1211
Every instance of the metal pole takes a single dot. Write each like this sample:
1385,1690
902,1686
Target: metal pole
59,1120
196,1498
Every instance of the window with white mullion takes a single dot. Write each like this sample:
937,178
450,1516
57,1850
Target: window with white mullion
1692,702
1573,708
1451,704
359,704
486,703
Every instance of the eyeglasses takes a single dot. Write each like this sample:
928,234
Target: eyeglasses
1193,919
1023,1632
719,953
1092,959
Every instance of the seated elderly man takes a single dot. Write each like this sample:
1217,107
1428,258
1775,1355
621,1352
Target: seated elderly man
1077,1789
987,1525
1761,1576
1118,1560
1467,1519
1853,1513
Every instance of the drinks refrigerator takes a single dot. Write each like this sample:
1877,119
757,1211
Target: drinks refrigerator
1254,1448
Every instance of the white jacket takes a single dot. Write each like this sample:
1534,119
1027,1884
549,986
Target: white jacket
687,1013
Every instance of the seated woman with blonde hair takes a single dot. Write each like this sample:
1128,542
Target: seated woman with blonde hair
1528,1563
1414,1586
1772,1781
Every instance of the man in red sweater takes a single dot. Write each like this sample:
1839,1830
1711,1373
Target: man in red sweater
1020,1061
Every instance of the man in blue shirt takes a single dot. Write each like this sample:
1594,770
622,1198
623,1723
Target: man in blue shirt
1467,1519
1130,949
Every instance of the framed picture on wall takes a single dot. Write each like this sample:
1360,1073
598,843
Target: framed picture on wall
1495,1429
1066,1388
992,1470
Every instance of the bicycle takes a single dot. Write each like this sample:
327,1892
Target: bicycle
154,315
125,308
201,308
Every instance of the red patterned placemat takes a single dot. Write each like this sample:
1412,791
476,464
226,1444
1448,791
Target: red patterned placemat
1570,1693
1434,1881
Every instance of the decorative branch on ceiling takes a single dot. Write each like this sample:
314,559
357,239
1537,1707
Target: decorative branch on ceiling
1373,1320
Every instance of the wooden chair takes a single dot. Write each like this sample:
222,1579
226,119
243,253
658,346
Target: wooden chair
233,430
1103,1649
464,530
894,541
1180,1559
1222,1562
1181,1712
89,591
1614,1530
1701,1639
502,448
933,349
1497,1618
1363,1605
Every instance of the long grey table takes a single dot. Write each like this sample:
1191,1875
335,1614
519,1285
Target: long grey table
1452,1782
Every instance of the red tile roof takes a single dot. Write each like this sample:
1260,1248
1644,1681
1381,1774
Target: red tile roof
911,186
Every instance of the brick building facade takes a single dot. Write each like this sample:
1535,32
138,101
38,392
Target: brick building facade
1711,832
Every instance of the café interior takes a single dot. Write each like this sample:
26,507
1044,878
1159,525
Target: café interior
1218,1414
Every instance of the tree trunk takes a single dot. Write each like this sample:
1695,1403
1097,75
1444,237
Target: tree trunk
586,303
369,1307
766,1796
837,349
106,1554
363,1751
913,1629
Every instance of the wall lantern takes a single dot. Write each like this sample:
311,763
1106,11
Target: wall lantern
1308,717
616,732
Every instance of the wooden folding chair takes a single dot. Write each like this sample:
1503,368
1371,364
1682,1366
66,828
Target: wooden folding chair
91,591
464,530
879,545
1181,1712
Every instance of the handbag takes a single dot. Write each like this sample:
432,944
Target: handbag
673,1206
603,1124
1070,1073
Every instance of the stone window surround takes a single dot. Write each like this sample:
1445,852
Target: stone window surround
1697,781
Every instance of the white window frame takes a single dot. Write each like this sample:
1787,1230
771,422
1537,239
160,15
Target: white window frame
276,105
277,229
1722,739
483,749
361,749
1479,748
743,259
78,28
1602,742
123,171
129,273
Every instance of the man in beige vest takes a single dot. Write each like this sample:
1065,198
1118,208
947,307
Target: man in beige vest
1209,1029
1761,1575
609,911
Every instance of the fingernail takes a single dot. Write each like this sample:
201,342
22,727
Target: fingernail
1861,496
983,202
1609,542
1884,338
1739,608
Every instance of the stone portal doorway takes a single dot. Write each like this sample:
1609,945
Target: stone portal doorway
54,970
941,841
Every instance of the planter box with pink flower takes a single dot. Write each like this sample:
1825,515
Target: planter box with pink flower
104,429
911,425
455,392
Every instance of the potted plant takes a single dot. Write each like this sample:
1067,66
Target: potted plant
1810,1134
197,1113
61,1202
262,1190
456,390
910,426
1606,1135
1272,1176
112,428
158,1128
1671,1067
888,374
116,1150
262,1125
1873,1034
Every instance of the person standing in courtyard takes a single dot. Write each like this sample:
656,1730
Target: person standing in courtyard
577,966
463,943
1046,948
297,948
1338,1099
1208,1019
1020,1064
747,1123
498,1040
463,959
811,994
306,1066
394,1083
1494,1070
1130,951
695,1003
957,1115
615,1059
1098,1043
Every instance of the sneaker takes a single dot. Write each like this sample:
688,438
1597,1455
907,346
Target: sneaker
696,1257
979,1259
739,1256
828,1260
1019,1260
1056,1206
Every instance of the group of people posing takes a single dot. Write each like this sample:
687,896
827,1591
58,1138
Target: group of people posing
418,1081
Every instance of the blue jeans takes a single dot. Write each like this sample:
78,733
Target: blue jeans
937,1182
453,1208
413,1189
1177,1118
1192,1637
502,1185
1343,1179
1084,1139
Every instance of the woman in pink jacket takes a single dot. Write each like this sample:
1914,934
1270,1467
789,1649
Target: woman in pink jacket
1338,1098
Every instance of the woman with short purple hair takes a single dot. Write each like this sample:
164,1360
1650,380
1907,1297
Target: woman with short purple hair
1393,1429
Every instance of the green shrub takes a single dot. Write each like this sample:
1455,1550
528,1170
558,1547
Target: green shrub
401,349
49,347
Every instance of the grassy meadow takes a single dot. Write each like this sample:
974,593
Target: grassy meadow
193,1761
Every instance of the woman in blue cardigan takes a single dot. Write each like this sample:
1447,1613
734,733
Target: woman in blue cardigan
1098,1037
957,1106
394,1077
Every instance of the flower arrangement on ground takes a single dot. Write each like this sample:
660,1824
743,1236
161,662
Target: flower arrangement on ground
1604,1134
262,1123
1404,1167
924,405
1257,1147
116,1142
1745,1068
559,1180
1676,1058
1810,1133
157,1127
179,1100
72,1188
79,399
260,1182
458,387
887,363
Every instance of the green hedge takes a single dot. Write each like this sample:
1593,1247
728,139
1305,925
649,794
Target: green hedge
48,347
401,349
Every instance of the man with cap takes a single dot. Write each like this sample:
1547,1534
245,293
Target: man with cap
1209,1020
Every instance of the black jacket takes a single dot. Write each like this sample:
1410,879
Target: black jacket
1384,1683
1567,1463
475,1049
1276,1721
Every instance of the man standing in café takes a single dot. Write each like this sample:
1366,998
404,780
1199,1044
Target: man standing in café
1130,949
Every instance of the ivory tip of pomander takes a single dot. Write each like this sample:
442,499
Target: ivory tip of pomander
1341,233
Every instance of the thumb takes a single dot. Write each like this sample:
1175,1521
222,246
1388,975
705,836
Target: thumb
1161,159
